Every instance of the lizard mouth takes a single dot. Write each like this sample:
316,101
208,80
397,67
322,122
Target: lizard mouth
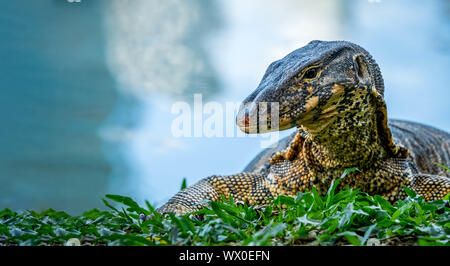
258,116
243,120
247,119
254,119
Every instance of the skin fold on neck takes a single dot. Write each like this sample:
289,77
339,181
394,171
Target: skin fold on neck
338,146
346,136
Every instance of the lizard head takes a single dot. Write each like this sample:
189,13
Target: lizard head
310,86
320,87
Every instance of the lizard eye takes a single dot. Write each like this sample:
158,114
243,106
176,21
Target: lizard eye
311,73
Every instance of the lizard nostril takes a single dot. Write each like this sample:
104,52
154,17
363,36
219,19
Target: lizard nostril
243,118
246,118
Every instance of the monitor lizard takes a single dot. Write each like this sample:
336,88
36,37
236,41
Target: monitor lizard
333,93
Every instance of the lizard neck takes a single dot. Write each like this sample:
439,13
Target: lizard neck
345,145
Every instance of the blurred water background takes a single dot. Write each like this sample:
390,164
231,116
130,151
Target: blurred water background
87,88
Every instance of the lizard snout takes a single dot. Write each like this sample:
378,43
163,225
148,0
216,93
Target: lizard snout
255,117
247,117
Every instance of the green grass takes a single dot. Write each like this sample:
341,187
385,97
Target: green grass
347,217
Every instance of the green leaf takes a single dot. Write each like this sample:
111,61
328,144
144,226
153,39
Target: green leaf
330,193
188,223
400,211
149,207
349,170
127,201
183,183
263,236
217,208
284,200
446,168
384,204
110,206
317,199
367,234
411,193
178,223
352,237
7,213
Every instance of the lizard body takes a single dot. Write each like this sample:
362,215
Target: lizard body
333,93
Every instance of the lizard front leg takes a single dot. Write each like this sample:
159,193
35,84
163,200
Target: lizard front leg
291,151
246,187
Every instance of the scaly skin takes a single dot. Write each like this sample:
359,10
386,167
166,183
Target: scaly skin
333,93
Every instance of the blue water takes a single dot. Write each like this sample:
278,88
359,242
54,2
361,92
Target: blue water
87,88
